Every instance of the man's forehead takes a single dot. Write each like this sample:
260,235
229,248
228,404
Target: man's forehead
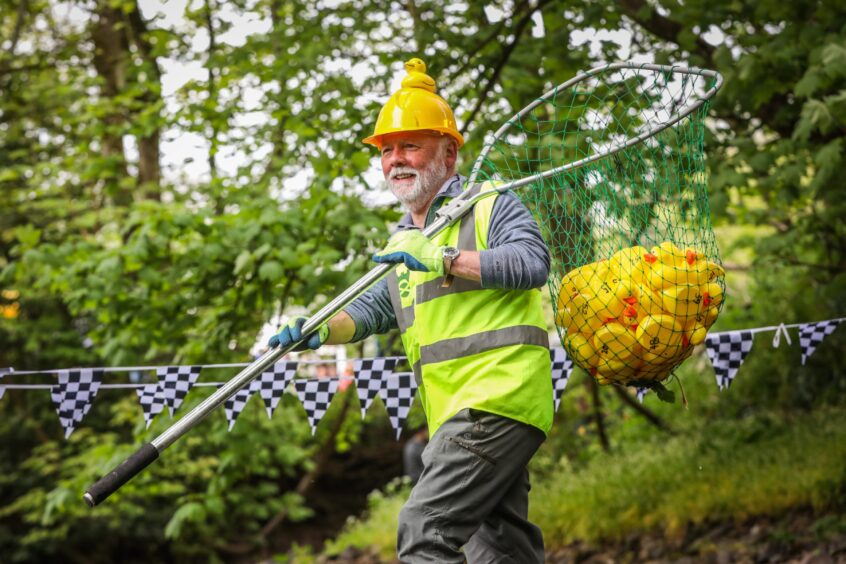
422,136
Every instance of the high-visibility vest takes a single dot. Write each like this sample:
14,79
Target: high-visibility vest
469,347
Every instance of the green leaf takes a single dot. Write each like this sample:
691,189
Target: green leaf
815,116
190,512
28,235
834,59
271,271
663,393
808,84
243,263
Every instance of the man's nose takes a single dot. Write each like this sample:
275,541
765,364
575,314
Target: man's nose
397,158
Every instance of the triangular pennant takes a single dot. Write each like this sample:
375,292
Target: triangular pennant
397,393
727,352
812,334
152,401
174,383
73,395
369,374
316,395
235,404
641,393
272,383
561,369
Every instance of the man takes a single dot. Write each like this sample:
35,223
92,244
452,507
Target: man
469,309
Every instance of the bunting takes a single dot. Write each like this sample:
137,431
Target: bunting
174,383
812,334
233,406
316,395
73,395
152,400
273,383
76,389
727,352
397,393
369,376
561,369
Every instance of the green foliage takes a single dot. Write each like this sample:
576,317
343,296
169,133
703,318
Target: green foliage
377,527
724,470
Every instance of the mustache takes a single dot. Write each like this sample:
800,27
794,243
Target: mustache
402,170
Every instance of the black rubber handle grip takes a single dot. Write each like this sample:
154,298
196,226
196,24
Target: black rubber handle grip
109,484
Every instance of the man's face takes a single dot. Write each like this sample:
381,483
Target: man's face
415,165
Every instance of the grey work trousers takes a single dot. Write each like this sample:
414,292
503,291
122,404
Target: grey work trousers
473,493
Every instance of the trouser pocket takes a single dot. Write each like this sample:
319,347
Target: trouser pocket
473,449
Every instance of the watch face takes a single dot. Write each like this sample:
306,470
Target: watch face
450,252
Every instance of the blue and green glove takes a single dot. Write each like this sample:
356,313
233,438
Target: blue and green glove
413,249
293,332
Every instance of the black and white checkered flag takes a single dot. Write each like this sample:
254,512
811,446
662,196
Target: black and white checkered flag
233,406
727,352
175,381
316,395
272,384
152,401
397,393
369,375
73,395
812,334
561,369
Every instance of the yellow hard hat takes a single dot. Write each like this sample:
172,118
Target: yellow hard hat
415,107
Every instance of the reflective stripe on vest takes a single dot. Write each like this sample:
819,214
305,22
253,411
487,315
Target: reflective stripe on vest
459,347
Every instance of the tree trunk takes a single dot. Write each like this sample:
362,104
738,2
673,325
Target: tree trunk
110,57
149,169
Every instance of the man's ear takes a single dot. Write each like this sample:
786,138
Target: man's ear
451,153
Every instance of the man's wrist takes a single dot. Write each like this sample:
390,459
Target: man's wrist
450,254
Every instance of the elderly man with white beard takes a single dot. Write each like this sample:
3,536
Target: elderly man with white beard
468,307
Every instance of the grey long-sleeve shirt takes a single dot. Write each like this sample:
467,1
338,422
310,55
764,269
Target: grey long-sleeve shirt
516,259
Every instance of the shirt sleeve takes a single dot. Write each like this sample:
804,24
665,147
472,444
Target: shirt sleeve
517,257
372,312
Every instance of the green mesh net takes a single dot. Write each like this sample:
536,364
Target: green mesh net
636,280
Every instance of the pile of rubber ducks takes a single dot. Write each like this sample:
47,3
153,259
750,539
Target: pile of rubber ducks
638,314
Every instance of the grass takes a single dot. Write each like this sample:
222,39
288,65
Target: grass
720,470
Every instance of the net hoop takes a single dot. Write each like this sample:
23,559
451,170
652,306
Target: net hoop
686,110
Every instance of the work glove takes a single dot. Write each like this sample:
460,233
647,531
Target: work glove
413,249
293,332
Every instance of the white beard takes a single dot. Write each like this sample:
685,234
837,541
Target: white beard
426,183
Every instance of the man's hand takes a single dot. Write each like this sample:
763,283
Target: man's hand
293,332
414,250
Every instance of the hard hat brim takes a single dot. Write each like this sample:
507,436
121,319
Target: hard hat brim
376,140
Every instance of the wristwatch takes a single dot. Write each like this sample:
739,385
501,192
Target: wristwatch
450,254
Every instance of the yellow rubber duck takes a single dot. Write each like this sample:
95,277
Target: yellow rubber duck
417,77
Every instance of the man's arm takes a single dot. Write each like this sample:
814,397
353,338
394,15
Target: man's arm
341,329
517,257
371,313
